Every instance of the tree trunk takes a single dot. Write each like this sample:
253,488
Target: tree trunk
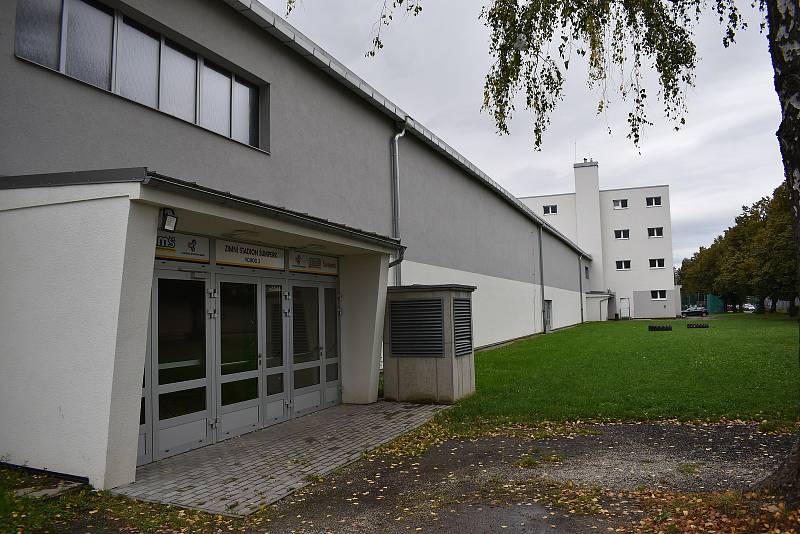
784,48
792,307
773,304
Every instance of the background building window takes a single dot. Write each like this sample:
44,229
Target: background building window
107,50
620,203
656,263
552,209
586,271
653,201
623,265
658,294
622,234
657,231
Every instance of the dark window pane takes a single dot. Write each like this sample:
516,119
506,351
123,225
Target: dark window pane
178,82
305,324
331,322
274,384
39,31
90,30
137,64
238,327
215,99
142,419
239,391
332,372
304,378
274,330
181,330
181,403
245,112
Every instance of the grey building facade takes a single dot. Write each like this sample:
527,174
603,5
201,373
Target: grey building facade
277,163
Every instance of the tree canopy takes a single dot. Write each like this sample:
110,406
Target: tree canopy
753,258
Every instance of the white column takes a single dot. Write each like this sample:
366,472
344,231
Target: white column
73,295
588,223
362,282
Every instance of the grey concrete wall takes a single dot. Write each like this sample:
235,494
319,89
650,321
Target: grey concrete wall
450,220
329,149
560,265
645,307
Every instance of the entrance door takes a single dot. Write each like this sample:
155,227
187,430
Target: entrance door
276,366
239,353
181,366
307,350
333,390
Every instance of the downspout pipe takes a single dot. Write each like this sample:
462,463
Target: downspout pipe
395,155
541,280
580,282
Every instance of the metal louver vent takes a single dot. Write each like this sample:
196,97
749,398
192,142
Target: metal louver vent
462,326
417,327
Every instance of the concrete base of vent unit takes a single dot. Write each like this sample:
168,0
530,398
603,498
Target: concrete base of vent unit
440,379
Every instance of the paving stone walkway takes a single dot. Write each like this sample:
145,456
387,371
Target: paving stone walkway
238,476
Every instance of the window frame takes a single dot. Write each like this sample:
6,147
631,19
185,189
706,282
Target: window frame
653,199
626,265
622,235
655,229
657,266
617,203
262,99
550,209
658,293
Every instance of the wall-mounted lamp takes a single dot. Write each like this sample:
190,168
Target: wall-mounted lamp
169,221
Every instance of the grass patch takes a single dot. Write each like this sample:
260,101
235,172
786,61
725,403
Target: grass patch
688,468
743,367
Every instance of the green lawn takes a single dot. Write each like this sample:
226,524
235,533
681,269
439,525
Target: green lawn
744,366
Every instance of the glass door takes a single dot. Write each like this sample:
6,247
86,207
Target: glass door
307,350
238,351
331,347
275,364
180,372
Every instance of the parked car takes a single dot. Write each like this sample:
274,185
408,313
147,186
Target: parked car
694,311
749,307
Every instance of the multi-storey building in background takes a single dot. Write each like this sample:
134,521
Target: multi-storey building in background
628,232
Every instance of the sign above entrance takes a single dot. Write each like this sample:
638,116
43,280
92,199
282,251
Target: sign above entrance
182,247
247,255
300,262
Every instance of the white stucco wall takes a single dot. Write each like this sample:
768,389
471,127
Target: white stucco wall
566,306
639,248
564,220
362,283
61,325
502,309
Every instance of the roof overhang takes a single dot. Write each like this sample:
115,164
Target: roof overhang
154,180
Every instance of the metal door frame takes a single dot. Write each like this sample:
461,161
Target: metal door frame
157,390
285,309
337,384
219,379
319,362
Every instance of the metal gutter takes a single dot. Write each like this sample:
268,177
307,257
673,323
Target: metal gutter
279,28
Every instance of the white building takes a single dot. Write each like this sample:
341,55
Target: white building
628,232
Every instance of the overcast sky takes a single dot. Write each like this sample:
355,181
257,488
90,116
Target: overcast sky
433,67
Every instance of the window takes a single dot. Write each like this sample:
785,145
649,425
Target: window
622,234
658,294
658,231
112,52
137,64
552,209
623,265
621,204
178,82
90,38
653,201
656,263
586,271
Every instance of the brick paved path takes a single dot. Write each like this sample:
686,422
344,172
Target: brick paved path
238,476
